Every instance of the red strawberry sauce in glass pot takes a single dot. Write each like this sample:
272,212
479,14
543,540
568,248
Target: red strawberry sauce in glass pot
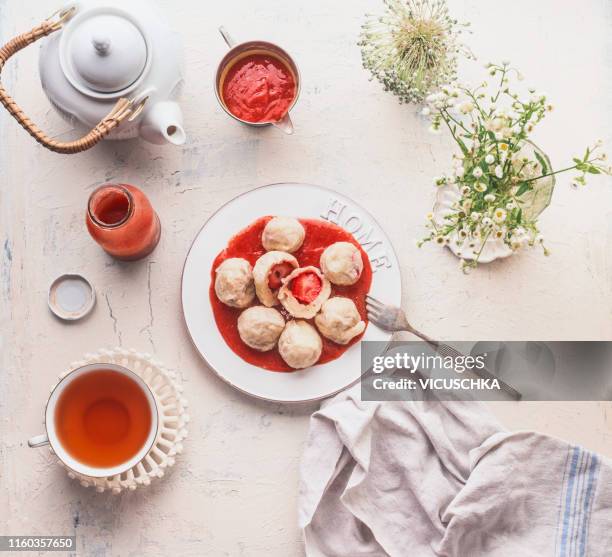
259,88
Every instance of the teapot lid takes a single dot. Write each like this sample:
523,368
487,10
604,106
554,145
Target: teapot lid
103,51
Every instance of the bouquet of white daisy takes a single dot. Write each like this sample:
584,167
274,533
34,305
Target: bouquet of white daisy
500,181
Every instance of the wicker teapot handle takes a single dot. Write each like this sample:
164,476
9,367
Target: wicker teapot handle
125,108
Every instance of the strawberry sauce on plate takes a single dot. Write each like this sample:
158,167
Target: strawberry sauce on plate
247,244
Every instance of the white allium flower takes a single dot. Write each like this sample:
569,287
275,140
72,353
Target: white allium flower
489,159
499,171
477,172
499,215
489,197
412,48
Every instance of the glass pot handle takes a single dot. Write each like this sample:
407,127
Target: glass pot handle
231,43
123,109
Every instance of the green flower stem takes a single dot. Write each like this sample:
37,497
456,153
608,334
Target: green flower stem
558,171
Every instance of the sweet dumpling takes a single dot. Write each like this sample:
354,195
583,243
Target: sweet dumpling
269,271
304,291
259,327
283,234
342,263
339,320
234,282
300,345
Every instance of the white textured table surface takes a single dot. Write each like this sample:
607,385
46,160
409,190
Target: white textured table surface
233,491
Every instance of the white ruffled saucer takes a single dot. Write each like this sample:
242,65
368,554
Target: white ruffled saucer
172,419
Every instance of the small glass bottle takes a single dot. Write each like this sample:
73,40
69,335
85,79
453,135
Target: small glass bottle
121,219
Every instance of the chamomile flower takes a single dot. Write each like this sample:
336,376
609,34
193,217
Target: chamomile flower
477,172
499,171
480,187
489,198
499,234
499,215
489,159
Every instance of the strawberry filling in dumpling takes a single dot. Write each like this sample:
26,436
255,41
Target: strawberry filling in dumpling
269,273
306,287
277,273
304,291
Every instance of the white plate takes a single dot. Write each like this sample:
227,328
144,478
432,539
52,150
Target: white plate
301,201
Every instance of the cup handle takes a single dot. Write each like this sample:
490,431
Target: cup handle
284,124
38,441
227,37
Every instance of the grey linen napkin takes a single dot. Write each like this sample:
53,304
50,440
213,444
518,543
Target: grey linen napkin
444,479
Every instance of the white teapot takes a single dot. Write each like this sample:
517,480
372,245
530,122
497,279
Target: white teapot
111,66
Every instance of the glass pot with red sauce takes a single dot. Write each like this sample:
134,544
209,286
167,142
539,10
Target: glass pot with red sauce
121,219
257,83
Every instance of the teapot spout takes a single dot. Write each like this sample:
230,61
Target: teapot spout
163,123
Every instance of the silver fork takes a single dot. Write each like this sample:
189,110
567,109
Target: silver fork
393,319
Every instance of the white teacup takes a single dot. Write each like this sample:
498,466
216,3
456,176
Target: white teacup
51,436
